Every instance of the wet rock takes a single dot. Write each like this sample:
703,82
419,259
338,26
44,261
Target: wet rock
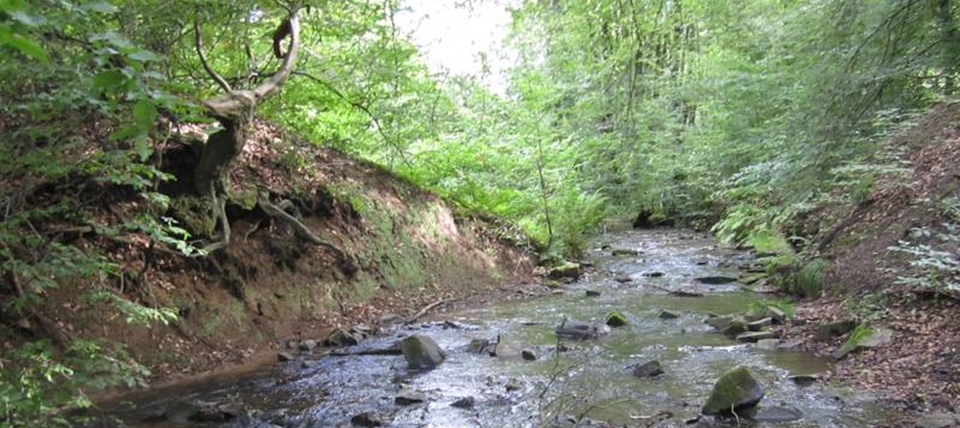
459,326
616,319
701,262
339,338
751,279
367,419
777,414
648,369
478,346
308,345
182,411
570,329
654,274
625,252
668,315
715,280
755,336
828,331
776,314
869,338
737,390
736,328
464,403
592,293
421,352
805,380
566,270
285,356
528,355
513,385
623,279
407,397
720,322
768,344
759,324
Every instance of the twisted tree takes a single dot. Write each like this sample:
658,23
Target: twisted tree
235,109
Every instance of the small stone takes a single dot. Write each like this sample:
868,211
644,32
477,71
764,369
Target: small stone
684,293
623,279
654,274
668,315
805,380
649,369
791,345
759,324
339,338
513,385
528,355
367,419
464,403
409,396
720,322
478,346
592,293
828,331
285,356
755,336
306,364
308,345
625,252
566,270
616,319
776,314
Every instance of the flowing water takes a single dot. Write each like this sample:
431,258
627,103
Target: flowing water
591,381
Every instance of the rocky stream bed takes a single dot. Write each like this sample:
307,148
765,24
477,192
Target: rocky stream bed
657,369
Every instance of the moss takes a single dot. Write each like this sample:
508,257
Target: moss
856,338
194,214
616,319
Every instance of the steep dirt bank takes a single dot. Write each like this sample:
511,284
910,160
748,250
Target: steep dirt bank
405,247
921,366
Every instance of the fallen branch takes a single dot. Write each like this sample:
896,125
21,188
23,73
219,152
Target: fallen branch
426,309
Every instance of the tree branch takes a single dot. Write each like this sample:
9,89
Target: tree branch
198,42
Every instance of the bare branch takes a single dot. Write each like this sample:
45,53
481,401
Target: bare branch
203,60
272,85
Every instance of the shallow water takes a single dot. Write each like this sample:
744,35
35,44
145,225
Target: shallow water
591,380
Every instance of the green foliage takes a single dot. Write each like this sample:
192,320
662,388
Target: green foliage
857,336
809,280
37,383
934,258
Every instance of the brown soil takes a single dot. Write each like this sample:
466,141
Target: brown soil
411,247
921,368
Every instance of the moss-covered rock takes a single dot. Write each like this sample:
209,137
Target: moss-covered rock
566,270
616,319
736,391
421,352
736,328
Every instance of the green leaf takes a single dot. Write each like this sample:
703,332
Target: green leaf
99,6
109,79
144,114
28,47
144,56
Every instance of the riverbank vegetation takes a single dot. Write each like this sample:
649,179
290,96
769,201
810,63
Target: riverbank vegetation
772,123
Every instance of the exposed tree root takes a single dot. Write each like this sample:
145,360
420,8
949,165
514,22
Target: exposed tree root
303,232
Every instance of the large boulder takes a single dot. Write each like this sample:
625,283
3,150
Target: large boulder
421,352
569,329
736,391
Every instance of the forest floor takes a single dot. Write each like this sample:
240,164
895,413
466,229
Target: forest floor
921,366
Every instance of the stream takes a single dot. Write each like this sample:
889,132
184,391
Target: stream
589,384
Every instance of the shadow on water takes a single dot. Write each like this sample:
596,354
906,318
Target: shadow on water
590,380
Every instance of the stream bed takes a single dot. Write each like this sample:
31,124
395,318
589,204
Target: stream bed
589,384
